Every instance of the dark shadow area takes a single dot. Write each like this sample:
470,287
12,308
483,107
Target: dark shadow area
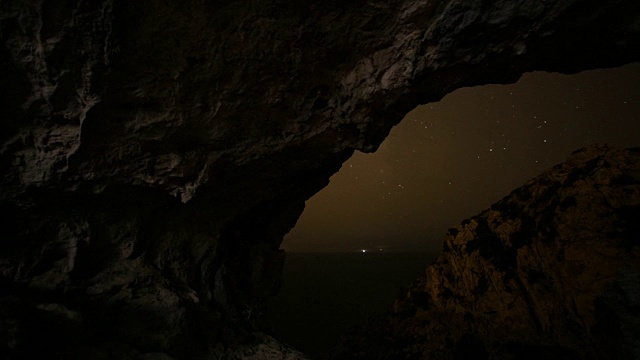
326,295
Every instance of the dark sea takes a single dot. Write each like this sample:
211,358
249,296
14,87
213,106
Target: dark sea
325,295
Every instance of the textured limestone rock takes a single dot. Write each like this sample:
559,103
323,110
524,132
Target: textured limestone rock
154,152
551,271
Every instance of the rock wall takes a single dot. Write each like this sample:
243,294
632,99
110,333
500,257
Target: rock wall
155,152
552,271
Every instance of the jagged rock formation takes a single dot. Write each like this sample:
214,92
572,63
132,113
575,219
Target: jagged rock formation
155,152
552,271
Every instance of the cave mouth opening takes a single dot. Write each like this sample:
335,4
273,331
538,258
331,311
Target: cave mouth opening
447,161
383,216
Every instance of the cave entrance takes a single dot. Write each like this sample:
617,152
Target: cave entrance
443,163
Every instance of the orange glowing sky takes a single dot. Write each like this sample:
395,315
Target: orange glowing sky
449,160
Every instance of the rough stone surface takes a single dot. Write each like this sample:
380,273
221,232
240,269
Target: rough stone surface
154,152
552,271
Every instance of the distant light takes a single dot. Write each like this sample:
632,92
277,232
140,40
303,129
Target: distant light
364,251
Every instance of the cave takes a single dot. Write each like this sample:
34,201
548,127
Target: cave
155,153
328,284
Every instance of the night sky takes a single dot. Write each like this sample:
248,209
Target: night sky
449,160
